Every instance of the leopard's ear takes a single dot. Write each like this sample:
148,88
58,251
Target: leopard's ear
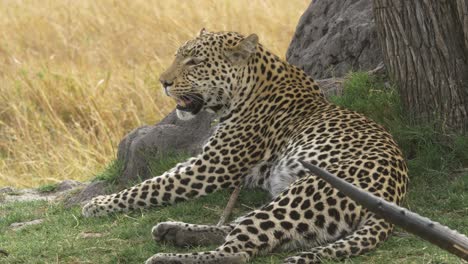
241,53
202,32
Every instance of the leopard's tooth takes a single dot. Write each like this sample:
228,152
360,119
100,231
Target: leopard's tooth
181,103
187,100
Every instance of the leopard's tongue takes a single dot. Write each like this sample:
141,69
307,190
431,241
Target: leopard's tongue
184,101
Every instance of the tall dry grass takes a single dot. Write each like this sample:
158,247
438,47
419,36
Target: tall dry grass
76,76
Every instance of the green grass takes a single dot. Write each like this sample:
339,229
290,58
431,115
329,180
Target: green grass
111,172
370,96
47,188
428,149
437,190
126,238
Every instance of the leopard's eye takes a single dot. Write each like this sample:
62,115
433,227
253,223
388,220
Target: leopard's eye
191,62
194,61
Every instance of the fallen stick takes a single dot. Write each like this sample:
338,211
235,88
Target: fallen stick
447,239
2,251
229,206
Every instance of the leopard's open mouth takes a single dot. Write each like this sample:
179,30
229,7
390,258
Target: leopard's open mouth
190,103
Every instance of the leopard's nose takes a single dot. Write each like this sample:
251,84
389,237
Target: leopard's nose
166,84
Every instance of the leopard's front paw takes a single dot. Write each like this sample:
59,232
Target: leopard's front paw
304,258
178,234
163,258
96,207
183,235
211,257
166,231
293,260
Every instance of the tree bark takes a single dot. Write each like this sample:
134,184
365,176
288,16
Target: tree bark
425,47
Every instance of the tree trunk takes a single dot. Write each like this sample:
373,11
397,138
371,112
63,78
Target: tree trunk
425,47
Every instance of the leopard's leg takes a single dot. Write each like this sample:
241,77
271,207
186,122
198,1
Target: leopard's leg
373,232
221,165
362,230
308,214
192,179
246,239
183,234
209,257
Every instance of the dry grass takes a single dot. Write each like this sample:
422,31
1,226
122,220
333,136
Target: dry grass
76,76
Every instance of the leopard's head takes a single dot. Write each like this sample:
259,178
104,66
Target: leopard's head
206,70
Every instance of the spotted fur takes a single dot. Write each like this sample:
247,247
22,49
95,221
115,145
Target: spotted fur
272,115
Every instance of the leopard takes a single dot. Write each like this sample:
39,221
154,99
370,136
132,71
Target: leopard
272,116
